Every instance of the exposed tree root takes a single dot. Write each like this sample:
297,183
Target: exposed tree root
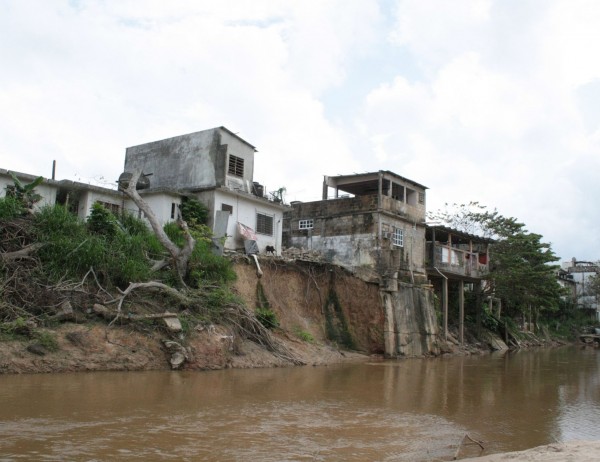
247,326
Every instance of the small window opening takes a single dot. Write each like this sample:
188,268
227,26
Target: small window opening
264,224
306,224
398,237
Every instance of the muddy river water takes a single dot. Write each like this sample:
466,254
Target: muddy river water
407,410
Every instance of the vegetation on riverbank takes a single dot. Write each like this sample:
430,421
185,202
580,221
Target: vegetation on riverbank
56,268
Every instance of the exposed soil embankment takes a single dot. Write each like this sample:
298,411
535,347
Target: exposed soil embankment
311,303
323,300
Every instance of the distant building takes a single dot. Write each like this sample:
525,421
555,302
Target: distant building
580,272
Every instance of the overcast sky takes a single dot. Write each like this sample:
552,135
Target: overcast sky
496,101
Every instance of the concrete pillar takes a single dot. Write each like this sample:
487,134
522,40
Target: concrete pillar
445,306
461,311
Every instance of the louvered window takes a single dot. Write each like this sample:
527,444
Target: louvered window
236,166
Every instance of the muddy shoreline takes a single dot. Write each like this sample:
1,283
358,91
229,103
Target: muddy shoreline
95,347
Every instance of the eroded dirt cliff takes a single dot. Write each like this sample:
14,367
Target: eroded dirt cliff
323,300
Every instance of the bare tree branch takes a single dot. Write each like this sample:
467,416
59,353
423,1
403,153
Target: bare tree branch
180,257
23,253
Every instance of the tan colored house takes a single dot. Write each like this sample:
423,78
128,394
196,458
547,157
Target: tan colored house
374,220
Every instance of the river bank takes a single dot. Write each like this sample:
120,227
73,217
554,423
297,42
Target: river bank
96,347
580,451
309,330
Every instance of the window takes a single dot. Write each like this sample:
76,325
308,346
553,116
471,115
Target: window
114,208
227,208
264,224
306,224
173,210
398,237
236,166
421,198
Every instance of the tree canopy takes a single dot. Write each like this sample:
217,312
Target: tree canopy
522,270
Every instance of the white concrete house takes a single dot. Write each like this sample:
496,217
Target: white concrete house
217,167
80,197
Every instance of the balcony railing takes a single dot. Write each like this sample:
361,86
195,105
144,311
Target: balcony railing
455,261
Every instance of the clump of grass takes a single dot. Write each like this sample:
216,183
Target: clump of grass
17,329
267,317
47,340
303,335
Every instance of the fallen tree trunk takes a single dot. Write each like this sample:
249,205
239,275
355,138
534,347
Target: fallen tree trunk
24,253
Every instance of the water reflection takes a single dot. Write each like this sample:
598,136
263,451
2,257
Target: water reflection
401,410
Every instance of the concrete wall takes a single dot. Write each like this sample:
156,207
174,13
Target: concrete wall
346,231
187,161
410,321
232,145
414,213
160,203
193,161
245,208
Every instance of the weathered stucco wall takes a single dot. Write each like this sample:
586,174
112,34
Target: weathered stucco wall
182,162
238,148
347,230
244,209
348,251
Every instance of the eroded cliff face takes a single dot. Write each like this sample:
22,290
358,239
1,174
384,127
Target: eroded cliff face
332,305
325,301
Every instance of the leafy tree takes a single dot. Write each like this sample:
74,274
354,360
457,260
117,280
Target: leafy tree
522,270
593,284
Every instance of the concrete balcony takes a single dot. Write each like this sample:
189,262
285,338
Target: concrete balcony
457,262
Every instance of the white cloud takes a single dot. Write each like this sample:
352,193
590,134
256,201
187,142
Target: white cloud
487,100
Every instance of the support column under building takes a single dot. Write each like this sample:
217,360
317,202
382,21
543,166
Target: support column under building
445,306
461,311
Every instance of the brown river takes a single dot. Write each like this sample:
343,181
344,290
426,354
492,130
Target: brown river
407,410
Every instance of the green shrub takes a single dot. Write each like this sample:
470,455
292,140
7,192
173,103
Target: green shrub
205,266
194,212
15,330
53,221
10,207
47,340
303,335
267,317
134,225
70,249
174,233
102,222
